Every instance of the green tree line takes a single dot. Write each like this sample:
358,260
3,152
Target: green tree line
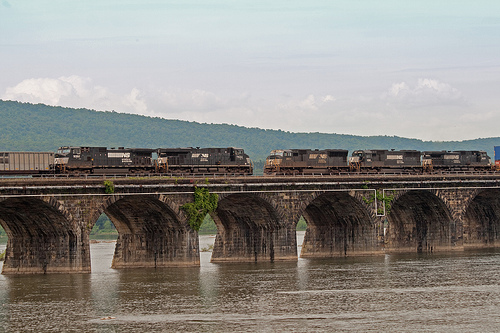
39,127
103,225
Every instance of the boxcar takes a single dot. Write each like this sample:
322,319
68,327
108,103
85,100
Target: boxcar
26,162
497,156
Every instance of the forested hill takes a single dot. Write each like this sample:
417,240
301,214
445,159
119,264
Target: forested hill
38,127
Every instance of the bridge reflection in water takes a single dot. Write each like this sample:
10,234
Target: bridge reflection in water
48,222
455,292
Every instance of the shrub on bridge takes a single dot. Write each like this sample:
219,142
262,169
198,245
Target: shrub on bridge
109,187
204,203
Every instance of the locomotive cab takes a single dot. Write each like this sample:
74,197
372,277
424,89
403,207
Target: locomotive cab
73,158
273,161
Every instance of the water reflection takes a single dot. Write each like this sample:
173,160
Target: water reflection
454,292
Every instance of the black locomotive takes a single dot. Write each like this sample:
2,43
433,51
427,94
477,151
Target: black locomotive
101,160
330,161
306,161
385,160
460,160
121,161
204,161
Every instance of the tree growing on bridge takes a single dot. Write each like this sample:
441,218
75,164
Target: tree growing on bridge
204,203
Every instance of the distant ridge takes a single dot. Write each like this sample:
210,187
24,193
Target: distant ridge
39,127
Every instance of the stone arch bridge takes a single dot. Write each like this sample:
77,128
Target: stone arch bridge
48,221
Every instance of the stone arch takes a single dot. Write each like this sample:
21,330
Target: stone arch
252,227
419,221
126,209
456,199
42,237
33,212
152,232
481,219
339,223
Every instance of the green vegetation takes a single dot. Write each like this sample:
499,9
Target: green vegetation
208,226
382,201
2,255
38,127
301,225
103,226
109,187
204,203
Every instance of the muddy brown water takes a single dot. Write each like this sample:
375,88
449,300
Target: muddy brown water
404,293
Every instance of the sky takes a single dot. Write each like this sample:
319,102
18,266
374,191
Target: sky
418,69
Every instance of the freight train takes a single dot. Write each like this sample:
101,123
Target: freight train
122,161
234,161
330,161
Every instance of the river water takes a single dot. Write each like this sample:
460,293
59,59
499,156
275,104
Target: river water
457,292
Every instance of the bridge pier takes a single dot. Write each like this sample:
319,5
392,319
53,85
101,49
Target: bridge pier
155,250
481,220
44,254
151,233
251,229
339,224
427,220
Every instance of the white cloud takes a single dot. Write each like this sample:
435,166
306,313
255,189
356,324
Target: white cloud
48,91
427,109
398,89
135,101
328,98
309,103
424,93
77,92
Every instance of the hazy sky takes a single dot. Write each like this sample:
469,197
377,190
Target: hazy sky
420,69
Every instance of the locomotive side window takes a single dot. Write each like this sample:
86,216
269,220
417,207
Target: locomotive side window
64,151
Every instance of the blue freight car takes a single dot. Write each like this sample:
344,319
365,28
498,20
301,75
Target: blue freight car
497,156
